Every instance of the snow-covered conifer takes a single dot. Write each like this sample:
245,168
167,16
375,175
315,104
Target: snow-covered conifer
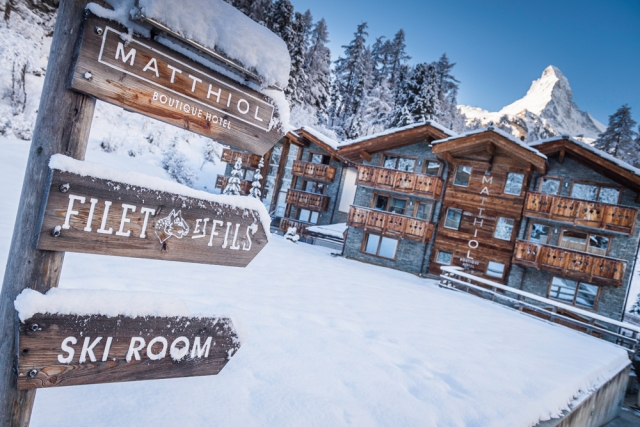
317,87
418,100
297,50
257,177
233,186
397,57
619,139
292,235
448,87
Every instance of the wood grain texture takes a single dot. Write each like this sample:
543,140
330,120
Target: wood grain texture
139,77
62,126
42,336
187,236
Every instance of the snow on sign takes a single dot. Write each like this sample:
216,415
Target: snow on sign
62,350
110,213
148,78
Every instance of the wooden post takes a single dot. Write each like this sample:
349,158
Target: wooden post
62,126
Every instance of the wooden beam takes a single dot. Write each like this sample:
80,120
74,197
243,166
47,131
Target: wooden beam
447,157
365,156
561,157
491,148
62,126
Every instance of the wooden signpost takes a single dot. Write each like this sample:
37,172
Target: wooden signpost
59,211
99,216
57,350
147,77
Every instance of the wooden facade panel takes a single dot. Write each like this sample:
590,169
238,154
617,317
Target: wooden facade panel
245,186
388,224
314,171
286,223
305,200
400,181
248,160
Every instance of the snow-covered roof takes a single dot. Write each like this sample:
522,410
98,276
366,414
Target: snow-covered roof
321,137
499,132
96,170
607,156
332,230
214,24
396,130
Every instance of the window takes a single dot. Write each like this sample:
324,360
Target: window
585,242
432,168
574,293
319,159
495,269
454,216
513,185
390,204
308,216
381,246
248,175
539,233
313,187
550,186
400,163
444,258
462,176
423,211
595,192
504,228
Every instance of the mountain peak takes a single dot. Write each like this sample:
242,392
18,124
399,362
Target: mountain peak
551,86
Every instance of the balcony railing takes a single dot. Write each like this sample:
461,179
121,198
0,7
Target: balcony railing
581,212
581,265
389,224
314,171
404,182
248,160
311,201
301,227
245,186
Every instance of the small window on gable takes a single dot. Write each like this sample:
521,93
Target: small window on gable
550,186
454,216
444,258
609,195
513,184
584,191
504,228
403,164
432,168
495,269
462,176
318,159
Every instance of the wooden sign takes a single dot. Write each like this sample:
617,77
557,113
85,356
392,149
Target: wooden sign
98,216
146,77
62,350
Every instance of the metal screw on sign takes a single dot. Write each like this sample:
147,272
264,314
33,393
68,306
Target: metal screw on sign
56,231
32,373
98,30
65,187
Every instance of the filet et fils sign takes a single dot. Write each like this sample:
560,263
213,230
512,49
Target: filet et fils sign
64,350
147,77
91,215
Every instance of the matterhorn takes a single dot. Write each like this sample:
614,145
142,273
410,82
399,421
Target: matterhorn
546,110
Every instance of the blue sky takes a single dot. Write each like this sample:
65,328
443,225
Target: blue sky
500,47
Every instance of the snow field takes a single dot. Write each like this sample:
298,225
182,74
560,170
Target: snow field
328,341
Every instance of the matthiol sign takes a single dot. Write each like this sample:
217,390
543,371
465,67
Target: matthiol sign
147,77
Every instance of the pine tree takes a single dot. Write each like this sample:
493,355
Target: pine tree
377,108
448,87
418,101
635,308
257,177
280,21
233,186
317,67
397,57
297,50
259,10
618,138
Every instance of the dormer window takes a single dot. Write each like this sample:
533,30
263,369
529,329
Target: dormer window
595,192
404,164
513,185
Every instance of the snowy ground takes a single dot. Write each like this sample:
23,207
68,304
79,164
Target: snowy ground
327,341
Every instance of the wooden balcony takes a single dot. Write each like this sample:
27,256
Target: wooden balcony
314,171
248,160
388,224
580,265
245,186
581,212
404,182
300,226
311,201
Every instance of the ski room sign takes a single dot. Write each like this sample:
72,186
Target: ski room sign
146,77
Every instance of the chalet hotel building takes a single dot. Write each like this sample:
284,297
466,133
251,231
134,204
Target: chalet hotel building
556,217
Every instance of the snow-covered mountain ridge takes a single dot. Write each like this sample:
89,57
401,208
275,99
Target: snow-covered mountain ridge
546,110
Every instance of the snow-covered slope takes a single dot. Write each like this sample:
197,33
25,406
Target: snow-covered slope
546,110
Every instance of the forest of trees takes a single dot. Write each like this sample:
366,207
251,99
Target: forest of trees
370,87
